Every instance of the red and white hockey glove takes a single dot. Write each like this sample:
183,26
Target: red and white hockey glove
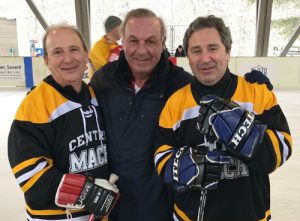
98,196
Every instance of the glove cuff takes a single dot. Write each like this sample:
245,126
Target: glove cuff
87,189
246,148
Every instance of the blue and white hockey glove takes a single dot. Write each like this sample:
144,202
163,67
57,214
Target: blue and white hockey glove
194,167
225,121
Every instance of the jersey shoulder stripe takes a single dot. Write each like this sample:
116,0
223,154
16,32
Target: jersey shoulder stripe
48,103
180,106
249,95
45,100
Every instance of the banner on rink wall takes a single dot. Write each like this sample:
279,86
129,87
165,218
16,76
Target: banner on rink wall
12,71
22,71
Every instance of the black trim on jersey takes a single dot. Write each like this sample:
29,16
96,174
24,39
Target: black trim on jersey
83,97
225,87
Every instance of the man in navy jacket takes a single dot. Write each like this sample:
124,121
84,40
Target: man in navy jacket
133,91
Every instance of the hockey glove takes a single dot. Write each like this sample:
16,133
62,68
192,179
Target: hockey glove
225,121
257,76
194,167
76,191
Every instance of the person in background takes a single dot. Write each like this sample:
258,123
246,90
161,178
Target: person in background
180,52
219,137
57,145
133,91
167,52
107,48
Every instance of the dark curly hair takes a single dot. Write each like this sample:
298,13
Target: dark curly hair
210,21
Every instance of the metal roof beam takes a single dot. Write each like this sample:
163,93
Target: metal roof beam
37,14
263,24
290,42
82,9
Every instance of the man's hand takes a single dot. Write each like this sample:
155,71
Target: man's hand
257,76
194,167
76,191
225,121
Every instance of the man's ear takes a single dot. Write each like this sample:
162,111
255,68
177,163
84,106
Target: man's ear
228,59
164,43
46,61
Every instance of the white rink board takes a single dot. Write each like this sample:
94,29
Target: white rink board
284,72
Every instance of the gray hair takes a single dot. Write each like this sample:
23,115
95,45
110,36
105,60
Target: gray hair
63,26
144,13
209,22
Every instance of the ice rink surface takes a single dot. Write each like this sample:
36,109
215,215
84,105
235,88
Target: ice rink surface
285,182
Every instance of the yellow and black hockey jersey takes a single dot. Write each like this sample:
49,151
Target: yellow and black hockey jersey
244,191
55,131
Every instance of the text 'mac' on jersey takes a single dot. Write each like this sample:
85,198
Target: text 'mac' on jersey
55,131
244,187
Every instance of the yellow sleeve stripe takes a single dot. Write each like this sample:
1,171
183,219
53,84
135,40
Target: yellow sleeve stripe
267,214
189,113
26,163
33,180
289,138
285,140
181,214
50,212
163,162
94,99
162,149
275,143
92,91
165,152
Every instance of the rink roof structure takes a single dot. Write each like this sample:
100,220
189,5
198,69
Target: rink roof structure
263,23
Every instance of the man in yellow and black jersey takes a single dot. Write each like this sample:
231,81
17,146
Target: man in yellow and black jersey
219,137
57,144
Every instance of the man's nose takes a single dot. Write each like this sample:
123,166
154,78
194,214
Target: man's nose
205,57
67,57
142,47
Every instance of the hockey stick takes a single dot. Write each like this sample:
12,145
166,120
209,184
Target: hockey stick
202,202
